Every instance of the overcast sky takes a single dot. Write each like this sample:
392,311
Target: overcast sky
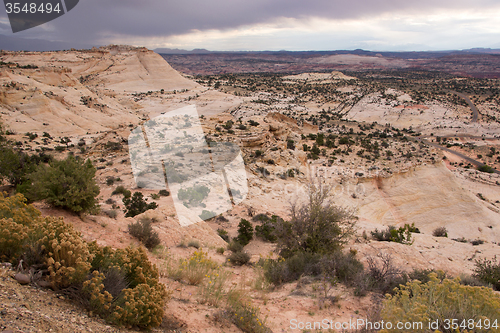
378,25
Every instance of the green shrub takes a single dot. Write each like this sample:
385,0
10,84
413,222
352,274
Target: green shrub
234,246
461,240
260,217
122,190
399,235
444,301
344,266
488,271
15,166
223,234
110,213
424,275
164,193
265,231
69,183
220,250
283,270
137,205
486,168
194,243
245,232
263,171
316,226
143,231
228,124
469,280
440,232
238,258
477,242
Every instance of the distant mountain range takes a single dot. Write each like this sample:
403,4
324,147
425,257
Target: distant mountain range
27,44
393,54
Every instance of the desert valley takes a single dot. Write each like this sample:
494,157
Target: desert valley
410,154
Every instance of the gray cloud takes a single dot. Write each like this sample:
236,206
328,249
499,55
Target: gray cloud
100,21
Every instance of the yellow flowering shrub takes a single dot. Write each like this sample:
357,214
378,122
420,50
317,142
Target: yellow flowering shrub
141,303
68,256
141,306
100,300
243,314
122,286
16,222
214,287
195,268
443,301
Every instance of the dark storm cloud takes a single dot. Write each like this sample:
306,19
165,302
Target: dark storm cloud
101,20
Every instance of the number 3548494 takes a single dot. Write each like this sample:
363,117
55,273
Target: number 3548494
32,8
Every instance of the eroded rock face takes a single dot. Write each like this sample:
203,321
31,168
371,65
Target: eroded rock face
255,140
76,92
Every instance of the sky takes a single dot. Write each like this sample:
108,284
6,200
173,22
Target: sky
243,25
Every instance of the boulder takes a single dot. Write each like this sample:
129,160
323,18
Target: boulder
22,278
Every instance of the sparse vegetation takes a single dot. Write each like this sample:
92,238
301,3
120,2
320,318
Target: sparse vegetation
399,235
223,234
266,230
234,246
143,231
245,232
440,232
69,183
316,225
488,271
194,269
164,193
121,286
442,301
238,258
110,213
122,190
136,205
486,168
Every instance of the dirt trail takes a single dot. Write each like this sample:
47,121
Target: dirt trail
475,112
